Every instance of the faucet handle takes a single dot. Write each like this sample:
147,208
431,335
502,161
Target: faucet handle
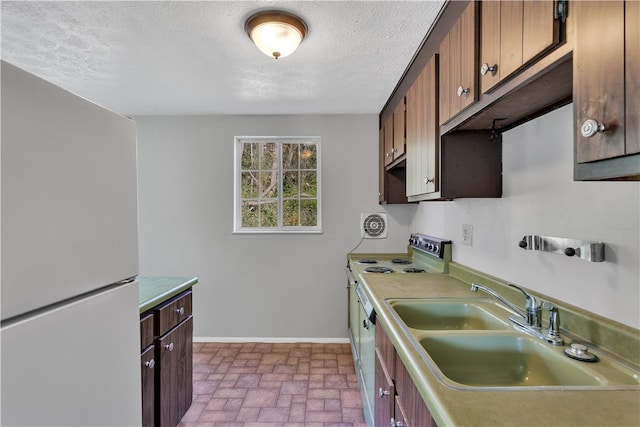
532,303
532,308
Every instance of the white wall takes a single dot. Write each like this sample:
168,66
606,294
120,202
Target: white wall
540,197
257,285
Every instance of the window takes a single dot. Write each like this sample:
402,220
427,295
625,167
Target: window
277,184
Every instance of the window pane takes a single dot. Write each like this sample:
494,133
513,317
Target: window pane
308,213
308,184
250,213
269,156
249,156
268,185
290,184
269,213
308,156
249,185
290,215
290,156
277,184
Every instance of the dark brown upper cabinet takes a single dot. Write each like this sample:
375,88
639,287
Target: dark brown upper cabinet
458,64
606,91
512,34
391,181
394,134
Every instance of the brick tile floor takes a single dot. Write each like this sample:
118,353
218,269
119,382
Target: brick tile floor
274,385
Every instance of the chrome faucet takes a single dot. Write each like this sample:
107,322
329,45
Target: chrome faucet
476,286
532,314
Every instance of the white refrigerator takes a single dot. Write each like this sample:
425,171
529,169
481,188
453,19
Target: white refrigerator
70,337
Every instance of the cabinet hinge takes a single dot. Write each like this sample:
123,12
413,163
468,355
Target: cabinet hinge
561,10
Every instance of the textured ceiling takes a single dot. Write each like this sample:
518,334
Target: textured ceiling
175,57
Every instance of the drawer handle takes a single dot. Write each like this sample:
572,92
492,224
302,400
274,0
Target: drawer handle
382,393
180,311
169,346
150,363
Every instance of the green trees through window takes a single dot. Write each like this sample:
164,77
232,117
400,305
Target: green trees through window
278,184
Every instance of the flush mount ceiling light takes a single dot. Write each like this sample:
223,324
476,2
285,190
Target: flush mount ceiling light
276,33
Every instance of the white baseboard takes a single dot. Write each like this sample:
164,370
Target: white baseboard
272,340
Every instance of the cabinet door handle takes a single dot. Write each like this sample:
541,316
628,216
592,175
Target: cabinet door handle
180,311
382,393
169,346
428,180
150,363
395,423
486,68
463,91
590,127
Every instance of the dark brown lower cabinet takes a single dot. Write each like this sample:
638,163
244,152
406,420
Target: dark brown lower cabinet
175,387
167,380
398,401
147,367
415,411
385,390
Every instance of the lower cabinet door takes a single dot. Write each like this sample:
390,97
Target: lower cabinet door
147,368
175,388
385,393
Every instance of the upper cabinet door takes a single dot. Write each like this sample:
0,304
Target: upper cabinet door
606,90
540,28
399,129
468,56
632,71
513,33
445,79
458,65
510,37
599,79
388,140
422,132
382,162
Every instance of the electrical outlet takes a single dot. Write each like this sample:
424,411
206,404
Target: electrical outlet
467,234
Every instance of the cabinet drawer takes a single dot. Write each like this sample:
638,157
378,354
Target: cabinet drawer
172,312
146,330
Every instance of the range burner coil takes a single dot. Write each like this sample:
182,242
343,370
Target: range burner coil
378,270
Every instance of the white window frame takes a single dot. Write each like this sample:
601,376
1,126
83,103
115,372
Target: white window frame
237,179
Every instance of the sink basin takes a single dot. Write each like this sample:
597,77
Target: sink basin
470,344
506,360
428,314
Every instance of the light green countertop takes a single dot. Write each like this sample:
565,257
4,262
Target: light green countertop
455,407
155,290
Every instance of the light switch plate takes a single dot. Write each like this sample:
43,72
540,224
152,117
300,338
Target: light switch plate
467,234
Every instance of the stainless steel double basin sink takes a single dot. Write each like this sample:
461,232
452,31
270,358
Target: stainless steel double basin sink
470,344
